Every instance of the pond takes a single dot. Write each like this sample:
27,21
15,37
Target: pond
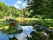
21,36
34,32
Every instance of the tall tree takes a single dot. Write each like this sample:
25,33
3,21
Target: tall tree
40,7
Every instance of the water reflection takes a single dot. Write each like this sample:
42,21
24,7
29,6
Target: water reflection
36,35
21,36
13,38
3,36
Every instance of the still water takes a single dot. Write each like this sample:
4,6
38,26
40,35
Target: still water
22,36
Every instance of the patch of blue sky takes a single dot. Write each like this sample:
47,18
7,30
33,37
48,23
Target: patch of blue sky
17,3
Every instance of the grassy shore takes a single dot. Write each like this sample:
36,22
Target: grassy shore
5,26
21,18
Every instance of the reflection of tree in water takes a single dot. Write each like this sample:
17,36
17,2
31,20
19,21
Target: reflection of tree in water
41,35
37,36
13,38
13,29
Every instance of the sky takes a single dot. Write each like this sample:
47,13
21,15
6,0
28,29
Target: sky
16,3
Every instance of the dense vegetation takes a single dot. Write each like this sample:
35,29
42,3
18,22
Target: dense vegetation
36,8
43,8
6,10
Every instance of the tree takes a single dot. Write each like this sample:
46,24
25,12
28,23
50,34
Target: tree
6,10
41,7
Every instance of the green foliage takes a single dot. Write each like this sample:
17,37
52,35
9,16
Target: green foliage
45,23
6,10
41,7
